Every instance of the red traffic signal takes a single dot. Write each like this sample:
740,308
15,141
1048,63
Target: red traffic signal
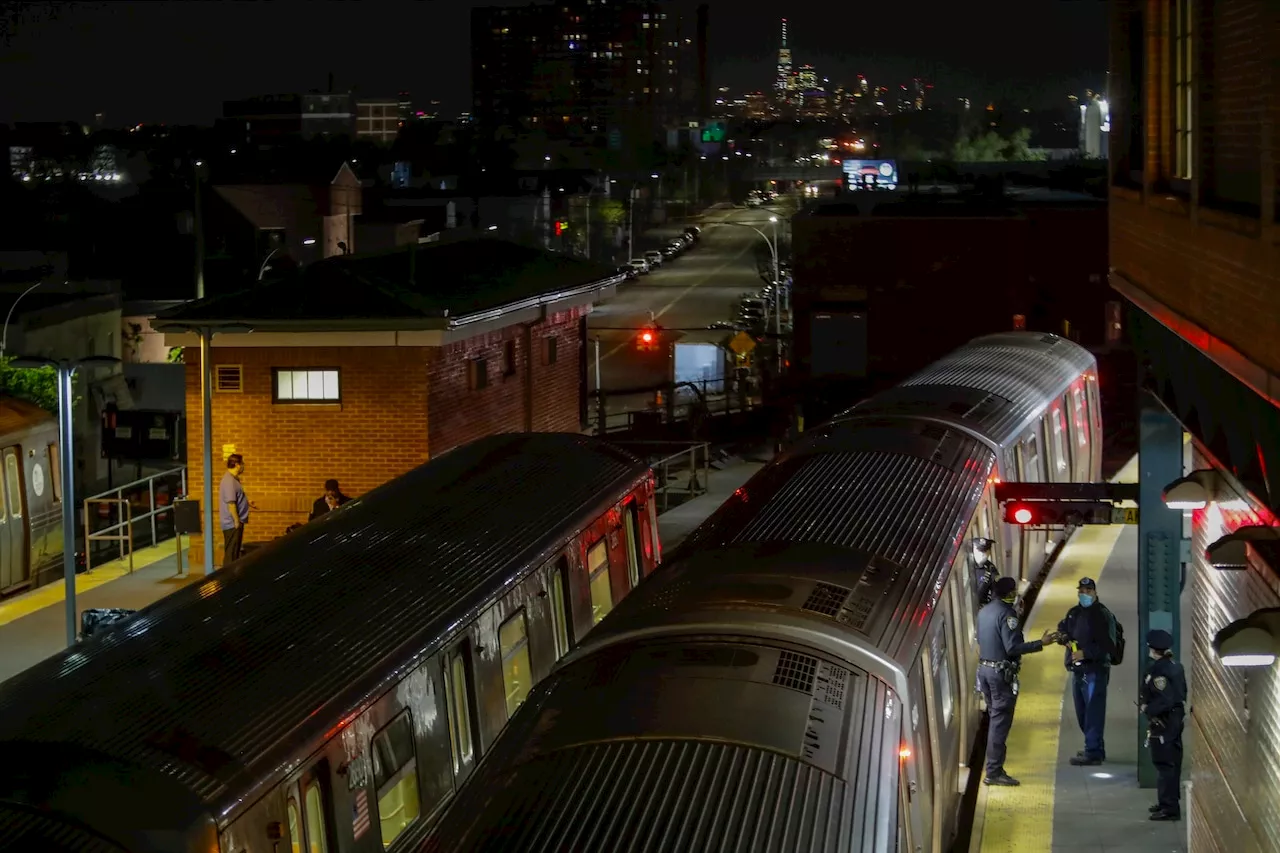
1050,513
647,340
1022,514
561,227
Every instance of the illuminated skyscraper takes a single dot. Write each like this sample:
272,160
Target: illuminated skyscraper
784,64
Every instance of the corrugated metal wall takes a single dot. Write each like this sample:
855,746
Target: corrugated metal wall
1233,737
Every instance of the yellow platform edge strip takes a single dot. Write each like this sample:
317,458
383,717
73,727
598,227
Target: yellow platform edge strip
1020,820
55,593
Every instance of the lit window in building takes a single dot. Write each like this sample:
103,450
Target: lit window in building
1183,91
306,386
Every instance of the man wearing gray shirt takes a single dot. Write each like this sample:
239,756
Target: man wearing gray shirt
235,509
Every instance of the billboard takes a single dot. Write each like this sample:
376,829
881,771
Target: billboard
871,174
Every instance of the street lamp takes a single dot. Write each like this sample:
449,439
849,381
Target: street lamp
66,462
773,251
206,333
262,271
4,341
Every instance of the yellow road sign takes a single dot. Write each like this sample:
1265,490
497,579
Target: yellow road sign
742,343
1124,515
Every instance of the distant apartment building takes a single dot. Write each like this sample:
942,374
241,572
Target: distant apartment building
379,120
624,71
272,119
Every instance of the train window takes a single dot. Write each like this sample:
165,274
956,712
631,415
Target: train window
1058,431
517,674
560,619
459,700
1078,416
295,827
55,472
395,775
317,838
14,479
633,555
653,530
598,578
1029,469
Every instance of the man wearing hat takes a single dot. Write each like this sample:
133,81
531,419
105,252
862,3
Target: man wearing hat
1163,696
1000,650
984,571
1091,631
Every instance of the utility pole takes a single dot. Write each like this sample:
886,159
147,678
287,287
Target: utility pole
206,408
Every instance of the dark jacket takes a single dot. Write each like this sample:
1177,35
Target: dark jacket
1164,692
320,507
1093,629
1000,634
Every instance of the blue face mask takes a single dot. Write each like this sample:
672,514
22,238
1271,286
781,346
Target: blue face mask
1085,599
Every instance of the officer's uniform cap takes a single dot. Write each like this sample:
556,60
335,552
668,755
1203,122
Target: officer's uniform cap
1006,586
1160,640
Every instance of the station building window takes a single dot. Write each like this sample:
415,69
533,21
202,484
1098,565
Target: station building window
313,385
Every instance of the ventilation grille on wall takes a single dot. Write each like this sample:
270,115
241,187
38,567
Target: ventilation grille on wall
827,599
796,672
228,377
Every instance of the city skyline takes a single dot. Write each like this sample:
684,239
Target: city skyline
177,63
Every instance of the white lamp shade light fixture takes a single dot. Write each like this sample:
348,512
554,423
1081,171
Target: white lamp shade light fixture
1249,642
1232,551
1193,491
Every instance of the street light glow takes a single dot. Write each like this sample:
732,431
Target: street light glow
310,241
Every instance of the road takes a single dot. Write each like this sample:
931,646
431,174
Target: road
686,294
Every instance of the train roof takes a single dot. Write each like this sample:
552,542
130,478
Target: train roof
994,385
215,685
858,524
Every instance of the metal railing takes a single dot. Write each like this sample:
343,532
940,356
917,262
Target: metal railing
147,502
671,403
681,474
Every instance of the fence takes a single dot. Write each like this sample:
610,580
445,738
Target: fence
134,515
680,468
651,407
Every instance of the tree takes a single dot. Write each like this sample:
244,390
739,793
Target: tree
38,385
991,147
611,212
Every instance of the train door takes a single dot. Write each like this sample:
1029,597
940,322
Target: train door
918,765
308,810
1059,463
1082,451
940,701
1030,470
14,568
460,702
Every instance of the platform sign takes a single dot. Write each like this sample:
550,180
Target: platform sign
742,343
1124,515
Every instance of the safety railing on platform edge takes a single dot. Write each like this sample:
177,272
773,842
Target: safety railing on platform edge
676,473
159,496
667,405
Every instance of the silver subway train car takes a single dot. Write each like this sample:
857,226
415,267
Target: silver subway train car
799,676
329,692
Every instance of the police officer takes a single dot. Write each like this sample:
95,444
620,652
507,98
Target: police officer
984,571
1163,695
1000,649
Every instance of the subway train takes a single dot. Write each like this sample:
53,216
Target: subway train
799,676
329,691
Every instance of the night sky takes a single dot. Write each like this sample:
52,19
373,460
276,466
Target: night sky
163,61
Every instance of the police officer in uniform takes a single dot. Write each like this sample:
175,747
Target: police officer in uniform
1000,649
1164,693
984,571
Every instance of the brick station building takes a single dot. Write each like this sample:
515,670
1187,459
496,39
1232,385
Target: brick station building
361,368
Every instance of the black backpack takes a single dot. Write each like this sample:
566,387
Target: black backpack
1117,653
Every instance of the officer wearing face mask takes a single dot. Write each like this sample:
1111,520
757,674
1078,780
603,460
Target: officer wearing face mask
1164,694
1001,646
985,572
1090,630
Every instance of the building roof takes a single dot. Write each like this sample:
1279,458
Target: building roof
433,285
17,415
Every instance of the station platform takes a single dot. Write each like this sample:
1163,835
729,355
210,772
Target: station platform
33,624
1060,808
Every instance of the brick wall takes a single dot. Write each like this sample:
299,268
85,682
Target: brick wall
536,395
1201,248
377,432
399,404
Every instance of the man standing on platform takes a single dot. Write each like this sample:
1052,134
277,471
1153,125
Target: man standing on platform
1001,646
1163,696
1091,631
235,509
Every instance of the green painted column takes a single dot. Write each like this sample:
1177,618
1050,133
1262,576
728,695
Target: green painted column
1159,548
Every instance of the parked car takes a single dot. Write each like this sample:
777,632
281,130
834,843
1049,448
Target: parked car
670,253
654,257
695,232
640,265
628,271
